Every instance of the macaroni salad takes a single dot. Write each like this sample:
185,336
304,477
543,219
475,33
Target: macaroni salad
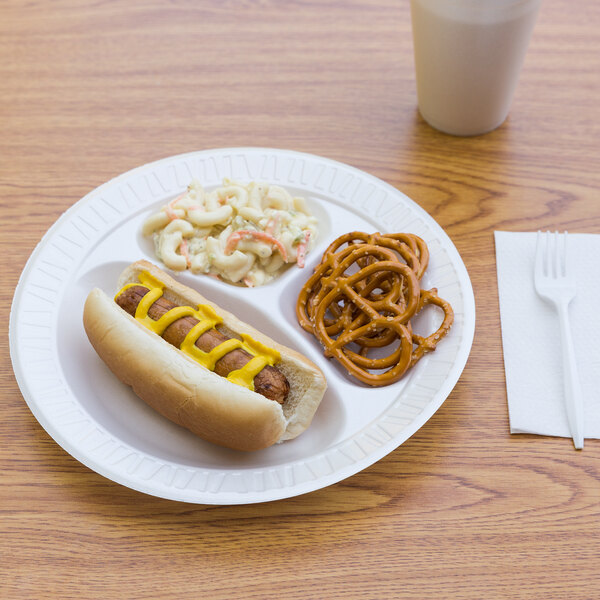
241,233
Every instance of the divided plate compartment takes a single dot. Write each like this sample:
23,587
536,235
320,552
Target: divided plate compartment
104,425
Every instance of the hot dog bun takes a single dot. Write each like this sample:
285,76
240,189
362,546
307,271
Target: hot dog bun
187,393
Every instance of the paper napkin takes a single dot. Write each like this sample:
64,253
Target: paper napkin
531,337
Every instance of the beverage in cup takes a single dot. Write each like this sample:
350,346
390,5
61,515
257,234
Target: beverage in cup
468,56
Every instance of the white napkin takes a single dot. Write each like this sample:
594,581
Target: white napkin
531,338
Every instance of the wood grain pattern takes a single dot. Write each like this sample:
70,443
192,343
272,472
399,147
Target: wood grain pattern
462,510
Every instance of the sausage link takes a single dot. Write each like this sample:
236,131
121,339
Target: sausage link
269,382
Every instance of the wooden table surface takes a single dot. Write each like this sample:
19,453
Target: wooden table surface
463,509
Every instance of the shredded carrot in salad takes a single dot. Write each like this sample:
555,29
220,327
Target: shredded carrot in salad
261,236
184,251
170,208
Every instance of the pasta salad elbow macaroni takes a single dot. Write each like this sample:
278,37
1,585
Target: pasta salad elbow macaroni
242,233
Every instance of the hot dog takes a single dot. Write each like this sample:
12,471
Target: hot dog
198,365
269,382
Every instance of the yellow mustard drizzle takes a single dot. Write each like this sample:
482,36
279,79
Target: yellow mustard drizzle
207,319
262,356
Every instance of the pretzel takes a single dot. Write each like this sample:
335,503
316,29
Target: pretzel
363,295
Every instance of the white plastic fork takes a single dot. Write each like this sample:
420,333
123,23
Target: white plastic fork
555,283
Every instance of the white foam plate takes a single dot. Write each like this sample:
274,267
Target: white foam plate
105,426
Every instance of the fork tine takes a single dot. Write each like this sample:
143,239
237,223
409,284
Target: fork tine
557,255
539,255
564,254
548,255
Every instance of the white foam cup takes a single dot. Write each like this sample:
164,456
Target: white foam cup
468,57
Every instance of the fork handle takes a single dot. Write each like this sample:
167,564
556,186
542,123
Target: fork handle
573,394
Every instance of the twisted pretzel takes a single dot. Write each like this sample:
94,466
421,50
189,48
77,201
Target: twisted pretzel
363,295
